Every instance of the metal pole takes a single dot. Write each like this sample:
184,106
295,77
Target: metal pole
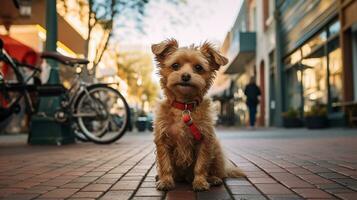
51,38
44,128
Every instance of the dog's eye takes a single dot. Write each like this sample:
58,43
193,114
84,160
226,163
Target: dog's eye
198,68
175,66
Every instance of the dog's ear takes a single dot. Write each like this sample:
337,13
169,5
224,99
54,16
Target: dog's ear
165,48
215,59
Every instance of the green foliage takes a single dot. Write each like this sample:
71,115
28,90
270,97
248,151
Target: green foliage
318,110
136,68
291,113
109,15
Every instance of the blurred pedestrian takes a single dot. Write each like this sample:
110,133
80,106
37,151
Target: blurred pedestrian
252,92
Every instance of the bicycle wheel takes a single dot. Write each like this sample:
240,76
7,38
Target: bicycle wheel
80,136
102,114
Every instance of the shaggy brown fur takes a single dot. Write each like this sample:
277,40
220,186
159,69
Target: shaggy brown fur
179,156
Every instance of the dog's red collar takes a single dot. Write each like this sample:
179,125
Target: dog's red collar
187,108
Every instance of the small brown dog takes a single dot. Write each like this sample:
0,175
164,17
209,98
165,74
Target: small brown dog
186,144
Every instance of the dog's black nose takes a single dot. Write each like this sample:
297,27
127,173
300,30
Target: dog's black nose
185,77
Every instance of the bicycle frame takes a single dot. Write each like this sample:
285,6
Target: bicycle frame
78,86
22,83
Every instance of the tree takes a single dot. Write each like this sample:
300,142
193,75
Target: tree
136,69
103,13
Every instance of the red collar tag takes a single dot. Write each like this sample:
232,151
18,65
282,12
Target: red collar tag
187,108
186,117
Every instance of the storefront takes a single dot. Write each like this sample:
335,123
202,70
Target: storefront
314,71
313,51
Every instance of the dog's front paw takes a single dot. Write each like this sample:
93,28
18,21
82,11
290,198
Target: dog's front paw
165,185
215,181
200,184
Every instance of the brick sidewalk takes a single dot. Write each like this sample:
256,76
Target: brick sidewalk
280,164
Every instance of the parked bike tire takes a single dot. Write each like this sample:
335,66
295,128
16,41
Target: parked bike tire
77,131
80,136
84,123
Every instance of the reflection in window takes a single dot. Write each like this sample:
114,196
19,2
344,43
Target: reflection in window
314,43
335,69
293,58
320,62
334,28
315,79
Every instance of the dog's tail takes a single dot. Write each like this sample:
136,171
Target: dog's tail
233,171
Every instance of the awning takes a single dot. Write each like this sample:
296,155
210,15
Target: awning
20,51
67,34
244,43
237,66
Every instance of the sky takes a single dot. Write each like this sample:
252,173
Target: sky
191,22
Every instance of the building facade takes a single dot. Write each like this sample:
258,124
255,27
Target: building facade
264,61
316,54
240,49
303,55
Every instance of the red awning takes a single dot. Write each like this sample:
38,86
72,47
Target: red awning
19,51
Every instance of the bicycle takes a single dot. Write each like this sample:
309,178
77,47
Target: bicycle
98,112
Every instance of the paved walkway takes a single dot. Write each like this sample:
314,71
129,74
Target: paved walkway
280,164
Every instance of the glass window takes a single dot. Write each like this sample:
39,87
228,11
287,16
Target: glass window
316,59
314,43
334,28
335,70
314,79
293,58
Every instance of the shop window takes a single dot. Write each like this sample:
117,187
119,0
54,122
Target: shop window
293,58
334,28
314,71
335,70
314,78
314,43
